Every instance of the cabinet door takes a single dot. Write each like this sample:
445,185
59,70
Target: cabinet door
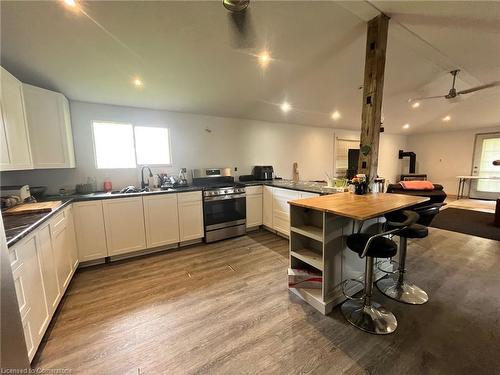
161,219
254,210
59,234
49,125
305,194
281,209
190,208
89,230
49,270
267,206
70,228
29,284
18,154
124,224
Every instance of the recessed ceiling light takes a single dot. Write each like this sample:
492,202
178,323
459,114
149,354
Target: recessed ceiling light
406,126
415,105
264,58
446,118
335,115
70,3
285,107
138,82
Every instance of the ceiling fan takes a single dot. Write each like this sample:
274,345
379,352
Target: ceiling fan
239,20
453,93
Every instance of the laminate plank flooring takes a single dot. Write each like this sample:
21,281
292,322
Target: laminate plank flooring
224,308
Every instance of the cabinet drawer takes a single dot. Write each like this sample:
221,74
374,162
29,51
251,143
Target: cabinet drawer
194,196
58,223
253,190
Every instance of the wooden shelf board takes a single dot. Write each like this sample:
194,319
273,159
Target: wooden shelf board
309,231
309,256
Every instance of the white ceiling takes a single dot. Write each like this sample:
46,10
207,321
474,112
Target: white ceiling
184,53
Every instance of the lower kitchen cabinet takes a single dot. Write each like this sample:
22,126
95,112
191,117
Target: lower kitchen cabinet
124,225
61,232
161,219
190,208
267,206
281,209
254,206
26,260
89,230
48,267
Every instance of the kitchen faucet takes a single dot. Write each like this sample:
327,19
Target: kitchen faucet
143,184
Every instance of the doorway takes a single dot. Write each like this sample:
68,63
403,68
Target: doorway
486,151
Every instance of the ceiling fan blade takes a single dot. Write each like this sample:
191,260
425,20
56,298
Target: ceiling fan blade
477,88
425,98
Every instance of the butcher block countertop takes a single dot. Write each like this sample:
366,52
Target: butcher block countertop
359,207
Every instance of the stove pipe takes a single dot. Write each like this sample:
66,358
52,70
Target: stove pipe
413,159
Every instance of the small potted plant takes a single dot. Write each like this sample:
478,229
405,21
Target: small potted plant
360,184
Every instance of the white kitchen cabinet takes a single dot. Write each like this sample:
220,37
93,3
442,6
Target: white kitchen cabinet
253,206
61,242
48,266
89,230
16,150
72,248
49,124
190,208
124,225
281,209
305,194
30,291
267,206
161,219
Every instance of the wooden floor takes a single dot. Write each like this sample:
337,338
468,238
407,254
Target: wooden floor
224,308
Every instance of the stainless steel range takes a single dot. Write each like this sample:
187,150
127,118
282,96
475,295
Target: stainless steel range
224,203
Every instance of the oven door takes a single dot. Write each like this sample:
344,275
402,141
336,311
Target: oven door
224,211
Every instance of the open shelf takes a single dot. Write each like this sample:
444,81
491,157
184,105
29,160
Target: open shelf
309,256
310,231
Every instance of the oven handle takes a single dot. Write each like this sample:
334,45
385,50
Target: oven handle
224,197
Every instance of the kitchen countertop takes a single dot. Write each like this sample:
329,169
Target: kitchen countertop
359,207
309,187
19,226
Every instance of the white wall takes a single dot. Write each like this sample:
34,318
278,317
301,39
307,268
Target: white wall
207,141
445,155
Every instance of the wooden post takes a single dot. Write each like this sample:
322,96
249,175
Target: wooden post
373,87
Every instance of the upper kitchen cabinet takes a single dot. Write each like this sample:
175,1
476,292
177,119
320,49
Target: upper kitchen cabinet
15,145
49,125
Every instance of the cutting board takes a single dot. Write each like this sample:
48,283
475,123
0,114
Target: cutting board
33,208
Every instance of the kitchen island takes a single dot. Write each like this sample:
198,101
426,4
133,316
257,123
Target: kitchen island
318,230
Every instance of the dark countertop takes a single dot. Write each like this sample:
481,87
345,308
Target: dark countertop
308,187
102,195
19,226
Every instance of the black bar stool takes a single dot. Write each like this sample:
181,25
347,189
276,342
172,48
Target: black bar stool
394,285
364,313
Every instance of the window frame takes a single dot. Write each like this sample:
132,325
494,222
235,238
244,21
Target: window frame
137,165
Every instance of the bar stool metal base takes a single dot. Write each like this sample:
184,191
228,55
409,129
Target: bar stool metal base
402,291
372,319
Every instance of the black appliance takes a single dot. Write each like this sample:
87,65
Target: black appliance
263,172
352,162
224,203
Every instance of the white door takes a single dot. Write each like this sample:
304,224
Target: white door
89,230
161,219
281,209
48,266
15,129
49,124
190,208
59,234
254,210
124,224
267,206
486,152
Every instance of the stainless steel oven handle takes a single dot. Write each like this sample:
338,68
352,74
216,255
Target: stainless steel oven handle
224,197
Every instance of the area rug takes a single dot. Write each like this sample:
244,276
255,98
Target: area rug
475,223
